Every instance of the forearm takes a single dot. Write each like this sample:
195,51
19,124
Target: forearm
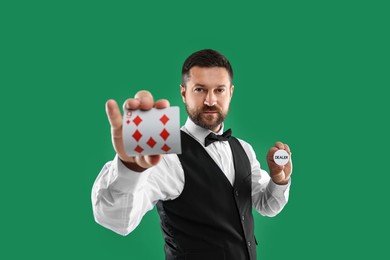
269,201
118,199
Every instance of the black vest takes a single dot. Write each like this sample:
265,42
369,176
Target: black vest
210,220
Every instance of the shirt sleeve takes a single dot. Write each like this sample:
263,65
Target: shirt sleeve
121,197
268,198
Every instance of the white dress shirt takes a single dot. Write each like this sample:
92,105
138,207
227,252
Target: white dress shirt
121,197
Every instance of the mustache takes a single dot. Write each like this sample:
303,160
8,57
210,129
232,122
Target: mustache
211,109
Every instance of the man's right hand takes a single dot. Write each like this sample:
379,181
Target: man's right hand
142,100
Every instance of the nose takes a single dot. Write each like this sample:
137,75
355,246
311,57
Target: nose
210,99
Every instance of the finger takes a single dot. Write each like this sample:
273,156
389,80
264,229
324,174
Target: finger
114,116
272,165
145,98
271,152
287,148
131,103
153,159
279,145
147,161
288,168
162,103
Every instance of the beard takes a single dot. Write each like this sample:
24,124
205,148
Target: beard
206,121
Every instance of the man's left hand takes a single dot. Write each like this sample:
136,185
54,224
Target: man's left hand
279,174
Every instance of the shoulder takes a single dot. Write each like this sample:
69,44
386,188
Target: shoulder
247,148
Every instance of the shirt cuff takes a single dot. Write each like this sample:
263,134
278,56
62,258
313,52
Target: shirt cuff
279,190
126,180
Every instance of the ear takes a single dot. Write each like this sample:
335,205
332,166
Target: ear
231,91
183,93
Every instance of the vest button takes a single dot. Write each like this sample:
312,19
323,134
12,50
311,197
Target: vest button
249,243
237,193
243,217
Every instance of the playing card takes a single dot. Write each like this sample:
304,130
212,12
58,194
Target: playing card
156,131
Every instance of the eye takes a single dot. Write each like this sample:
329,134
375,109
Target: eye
198,90
220,90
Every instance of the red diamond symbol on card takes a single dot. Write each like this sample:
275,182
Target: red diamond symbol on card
164,119
128,121
151,142
137,120
138,149
165,148
137,135
164,134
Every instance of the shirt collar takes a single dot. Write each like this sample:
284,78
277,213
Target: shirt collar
198,132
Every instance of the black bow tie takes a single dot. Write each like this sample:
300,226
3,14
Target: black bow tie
213,137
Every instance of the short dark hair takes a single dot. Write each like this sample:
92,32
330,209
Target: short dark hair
205,58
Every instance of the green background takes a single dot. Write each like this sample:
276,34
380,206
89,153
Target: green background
313,74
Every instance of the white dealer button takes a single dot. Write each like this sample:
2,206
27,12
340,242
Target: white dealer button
281,157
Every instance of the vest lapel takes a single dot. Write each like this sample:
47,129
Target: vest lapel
242,171
215,165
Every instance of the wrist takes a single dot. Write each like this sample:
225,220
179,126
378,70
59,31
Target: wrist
282,182
132,166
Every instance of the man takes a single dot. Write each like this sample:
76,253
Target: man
205,195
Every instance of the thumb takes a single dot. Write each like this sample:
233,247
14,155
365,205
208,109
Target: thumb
114,117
